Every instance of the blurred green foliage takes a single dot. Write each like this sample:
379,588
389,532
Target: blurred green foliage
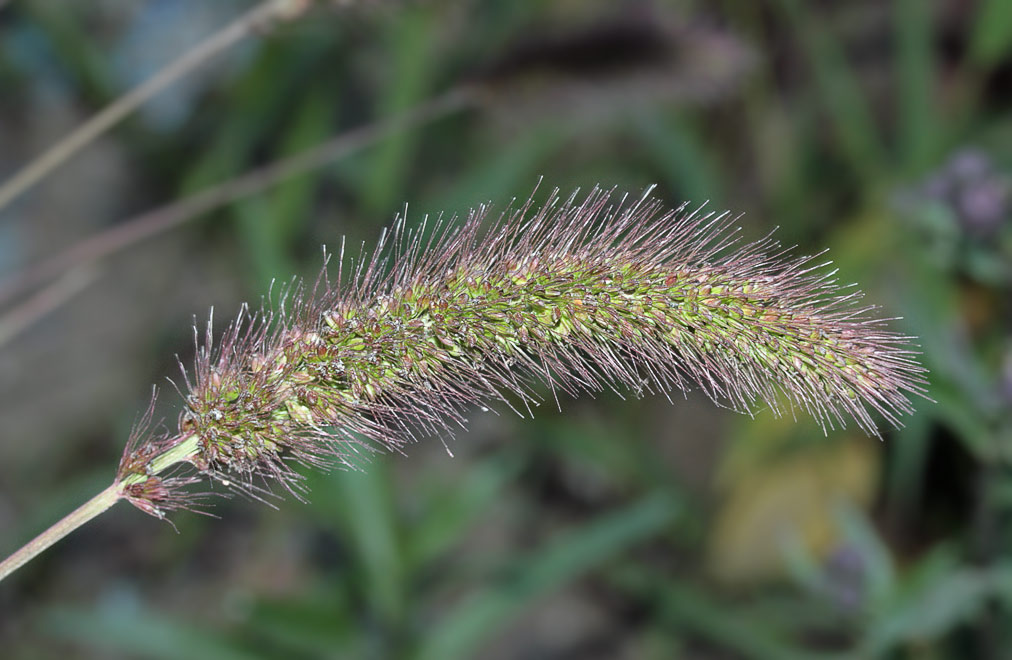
878,129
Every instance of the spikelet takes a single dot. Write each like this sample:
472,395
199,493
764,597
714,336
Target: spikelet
581,295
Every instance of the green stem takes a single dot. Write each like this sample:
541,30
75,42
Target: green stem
178,453
66,525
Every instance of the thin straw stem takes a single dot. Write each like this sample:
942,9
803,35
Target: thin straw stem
155,222
181,450
251,22
44,301
66,525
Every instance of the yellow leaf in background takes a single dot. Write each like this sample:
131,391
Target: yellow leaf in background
789,501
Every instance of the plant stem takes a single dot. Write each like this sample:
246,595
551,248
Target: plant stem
177,453
152,223
27,313
251,22
66,525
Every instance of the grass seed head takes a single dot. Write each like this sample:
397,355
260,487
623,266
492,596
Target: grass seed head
581,293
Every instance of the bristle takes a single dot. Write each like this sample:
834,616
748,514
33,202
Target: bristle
579,294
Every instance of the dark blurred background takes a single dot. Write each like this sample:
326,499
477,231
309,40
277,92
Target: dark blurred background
616,528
